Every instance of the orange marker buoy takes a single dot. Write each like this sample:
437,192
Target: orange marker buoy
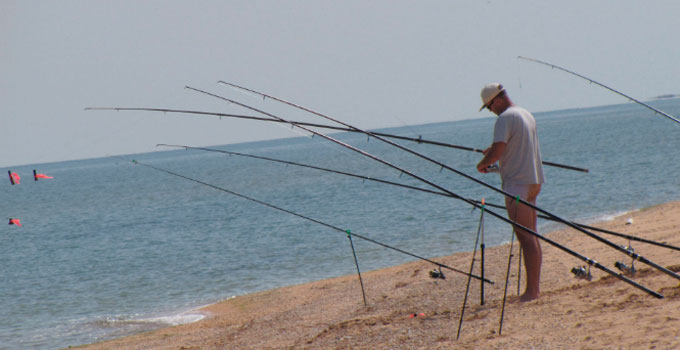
37,176
14,178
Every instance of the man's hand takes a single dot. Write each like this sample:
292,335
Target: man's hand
491,155
482,168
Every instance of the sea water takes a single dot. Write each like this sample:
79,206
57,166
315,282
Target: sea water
109,248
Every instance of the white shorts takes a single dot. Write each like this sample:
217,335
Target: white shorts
521,190
517,190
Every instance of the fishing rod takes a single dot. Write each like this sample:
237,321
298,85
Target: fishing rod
363,177
593,228
628,252
507,278
356,262
387,182
589,261
602,85
348,232
629,237
501,217
480,232
338,128
352,129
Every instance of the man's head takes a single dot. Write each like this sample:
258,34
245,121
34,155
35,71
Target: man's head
495,98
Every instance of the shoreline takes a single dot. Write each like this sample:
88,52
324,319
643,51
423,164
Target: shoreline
330,313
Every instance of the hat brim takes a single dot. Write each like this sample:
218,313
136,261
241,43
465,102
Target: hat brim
491,99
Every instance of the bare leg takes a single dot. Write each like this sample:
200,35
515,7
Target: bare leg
531,246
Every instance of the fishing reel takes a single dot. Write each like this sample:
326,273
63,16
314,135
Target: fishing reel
627,270
437,274
493,168
582,273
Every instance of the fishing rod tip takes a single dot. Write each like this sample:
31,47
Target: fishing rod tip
100,108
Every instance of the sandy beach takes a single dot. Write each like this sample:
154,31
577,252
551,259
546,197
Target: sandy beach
407,309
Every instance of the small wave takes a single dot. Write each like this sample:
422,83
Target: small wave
608,216
175,320
148,322
119,326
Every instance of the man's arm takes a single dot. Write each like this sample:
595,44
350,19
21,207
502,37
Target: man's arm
491,156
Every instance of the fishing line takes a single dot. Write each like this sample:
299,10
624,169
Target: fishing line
519,75
590,234
353,234
657,111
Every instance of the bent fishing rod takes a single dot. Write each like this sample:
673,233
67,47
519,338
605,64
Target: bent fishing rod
589,261
362,177
348,232
630,253
602,85
387,182
338,128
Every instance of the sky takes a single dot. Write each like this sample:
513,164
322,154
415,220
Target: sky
371,64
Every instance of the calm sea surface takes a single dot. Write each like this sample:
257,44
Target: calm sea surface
109,248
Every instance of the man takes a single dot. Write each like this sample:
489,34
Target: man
515,147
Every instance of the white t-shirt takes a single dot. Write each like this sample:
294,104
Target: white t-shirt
520,163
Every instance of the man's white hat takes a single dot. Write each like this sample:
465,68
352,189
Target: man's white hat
489,92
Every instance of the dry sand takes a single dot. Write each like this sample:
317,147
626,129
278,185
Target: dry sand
605,313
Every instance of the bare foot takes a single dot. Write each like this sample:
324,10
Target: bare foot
528,297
